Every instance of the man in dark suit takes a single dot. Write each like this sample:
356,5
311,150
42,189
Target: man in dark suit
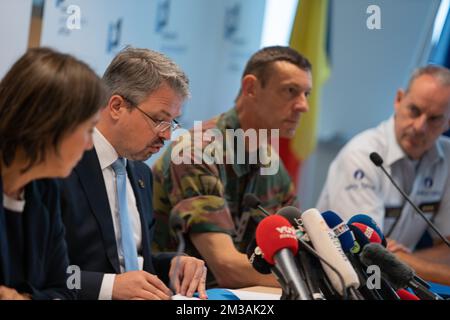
107,200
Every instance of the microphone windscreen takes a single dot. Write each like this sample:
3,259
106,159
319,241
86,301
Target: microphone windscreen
251,201
371,234
395,271
273,234
292,214
406,295
340,229
254,255
329,248
368,221
361,239
376,159
176,222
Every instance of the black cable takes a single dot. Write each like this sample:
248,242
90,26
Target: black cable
180,250
315,254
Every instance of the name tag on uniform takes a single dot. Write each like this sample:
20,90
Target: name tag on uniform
391,216
393,212
430,208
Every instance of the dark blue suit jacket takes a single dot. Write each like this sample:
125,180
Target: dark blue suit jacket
89,225
45,251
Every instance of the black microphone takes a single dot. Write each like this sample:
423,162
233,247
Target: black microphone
386,291
252,201
255,257
378,161
399,274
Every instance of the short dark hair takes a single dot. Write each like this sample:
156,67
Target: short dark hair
261,61
43,97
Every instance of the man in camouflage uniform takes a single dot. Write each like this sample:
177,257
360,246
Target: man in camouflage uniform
209,193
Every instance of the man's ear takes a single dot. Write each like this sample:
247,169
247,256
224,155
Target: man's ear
115,104
398,98
248,85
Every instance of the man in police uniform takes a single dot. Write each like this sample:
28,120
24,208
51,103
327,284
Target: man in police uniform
274,90
418,158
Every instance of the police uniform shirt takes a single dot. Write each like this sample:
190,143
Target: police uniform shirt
356,186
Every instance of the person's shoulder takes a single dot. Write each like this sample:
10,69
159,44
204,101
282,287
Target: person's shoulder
444,142
47,191
141,167
46,186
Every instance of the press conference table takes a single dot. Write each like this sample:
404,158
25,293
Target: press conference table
261,289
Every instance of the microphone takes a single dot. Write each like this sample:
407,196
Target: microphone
329,247
368,221
348,242
252,201
368,232
399,274
368,237
406,295
311,268
277,239
177,223
255,257
386,291
293,215
361,239
340,229
380,233
378,161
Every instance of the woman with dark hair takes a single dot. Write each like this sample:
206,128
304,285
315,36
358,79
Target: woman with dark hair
49,105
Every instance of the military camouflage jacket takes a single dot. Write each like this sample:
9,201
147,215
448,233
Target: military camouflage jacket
210,195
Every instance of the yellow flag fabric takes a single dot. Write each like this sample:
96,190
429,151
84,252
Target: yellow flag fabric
308,36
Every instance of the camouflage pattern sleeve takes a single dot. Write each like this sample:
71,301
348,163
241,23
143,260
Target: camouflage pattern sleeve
289,192
190,190
197,191
290,198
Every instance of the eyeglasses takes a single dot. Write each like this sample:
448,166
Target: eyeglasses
159,125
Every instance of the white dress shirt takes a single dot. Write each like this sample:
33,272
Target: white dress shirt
14,204
107,155
355,185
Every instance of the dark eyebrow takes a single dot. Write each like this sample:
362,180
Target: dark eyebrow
297,85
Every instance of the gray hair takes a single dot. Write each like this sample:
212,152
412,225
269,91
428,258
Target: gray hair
441,74
136,73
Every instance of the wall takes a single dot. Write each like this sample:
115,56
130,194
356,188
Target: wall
367,67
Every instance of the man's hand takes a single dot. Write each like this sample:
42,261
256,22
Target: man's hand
395,247
190,276
139,285
11,294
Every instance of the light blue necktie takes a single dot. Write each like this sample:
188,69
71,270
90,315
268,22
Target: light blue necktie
128,244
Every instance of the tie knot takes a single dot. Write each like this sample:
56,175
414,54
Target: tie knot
119,166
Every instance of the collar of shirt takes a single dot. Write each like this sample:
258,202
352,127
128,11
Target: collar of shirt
14,204
106,153
395,152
